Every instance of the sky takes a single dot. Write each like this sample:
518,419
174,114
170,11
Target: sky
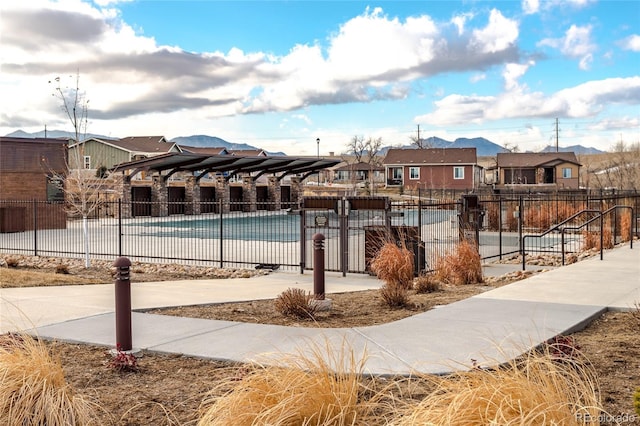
280,75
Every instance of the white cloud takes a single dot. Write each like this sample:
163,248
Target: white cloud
530,7
584,100
460,21
631,43
499,34
576,44
512,72
478,77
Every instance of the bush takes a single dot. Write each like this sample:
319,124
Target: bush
536,390
426,284
294,302
315,389
12,262
463,266
394,295
591,239
33,390
394,265
62,269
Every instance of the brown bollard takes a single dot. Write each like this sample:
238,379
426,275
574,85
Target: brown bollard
318,266
123,304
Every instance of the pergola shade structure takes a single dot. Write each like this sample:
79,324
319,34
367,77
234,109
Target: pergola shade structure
199,164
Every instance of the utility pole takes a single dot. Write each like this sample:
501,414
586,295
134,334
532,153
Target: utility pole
557,136
419,144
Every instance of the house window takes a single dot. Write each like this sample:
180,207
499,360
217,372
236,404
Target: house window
87,161
458,172
566,172
414,172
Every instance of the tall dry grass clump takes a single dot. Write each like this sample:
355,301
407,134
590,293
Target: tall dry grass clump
463,266
317,389
295,303
625,226
535,391
394,264
591,239
33,389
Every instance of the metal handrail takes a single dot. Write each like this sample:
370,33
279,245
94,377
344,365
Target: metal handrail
553,228
600,216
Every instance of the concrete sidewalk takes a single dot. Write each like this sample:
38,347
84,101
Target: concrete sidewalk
491,328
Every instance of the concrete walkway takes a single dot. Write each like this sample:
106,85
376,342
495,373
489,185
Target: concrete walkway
490,328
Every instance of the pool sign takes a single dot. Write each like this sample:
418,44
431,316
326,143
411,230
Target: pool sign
55,188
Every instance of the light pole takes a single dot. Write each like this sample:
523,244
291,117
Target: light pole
318,143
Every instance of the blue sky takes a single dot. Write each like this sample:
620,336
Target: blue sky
279,74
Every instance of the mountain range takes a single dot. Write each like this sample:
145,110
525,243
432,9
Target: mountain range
484,147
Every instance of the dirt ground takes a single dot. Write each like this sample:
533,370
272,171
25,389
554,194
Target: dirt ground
170,389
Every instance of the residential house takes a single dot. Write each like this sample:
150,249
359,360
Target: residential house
358,172
32,169
537,170
433,168
94,153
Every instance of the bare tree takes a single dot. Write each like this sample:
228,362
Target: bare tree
621,169
363,151
82,186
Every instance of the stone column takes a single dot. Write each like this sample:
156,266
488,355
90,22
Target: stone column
249,194
275,195
223,193
296,191
159,195
124,183
192,195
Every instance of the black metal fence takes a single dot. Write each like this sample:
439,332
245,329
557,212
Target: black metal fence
231,236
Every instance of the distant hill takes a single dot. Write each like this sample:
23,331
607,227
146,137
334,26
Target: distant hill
578,149
484,147
54,134
215,142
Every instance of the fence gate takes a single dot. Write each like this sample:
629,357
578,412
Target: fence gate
352,227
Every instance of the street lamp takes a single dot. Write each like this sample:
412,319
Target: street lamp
318,142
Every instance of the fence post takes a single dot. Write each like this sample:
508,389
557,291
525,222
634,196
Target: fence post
123,303
220,207
119,227
303,239
318,266
35,228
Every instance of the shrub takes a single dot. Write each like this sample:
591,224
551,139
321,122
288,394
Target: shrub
123,361
294,302
636,401
394,265
426,284
33,390
62,269
12,262
625,226
536,390
311,389
394,295
463,266
591,239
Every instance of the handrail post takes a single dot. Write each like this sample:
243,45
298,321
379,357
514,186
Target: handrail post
601,236
562,244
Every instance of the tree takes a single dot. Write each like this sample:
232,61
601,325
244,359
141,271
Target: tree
364,151
621,169
81,187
